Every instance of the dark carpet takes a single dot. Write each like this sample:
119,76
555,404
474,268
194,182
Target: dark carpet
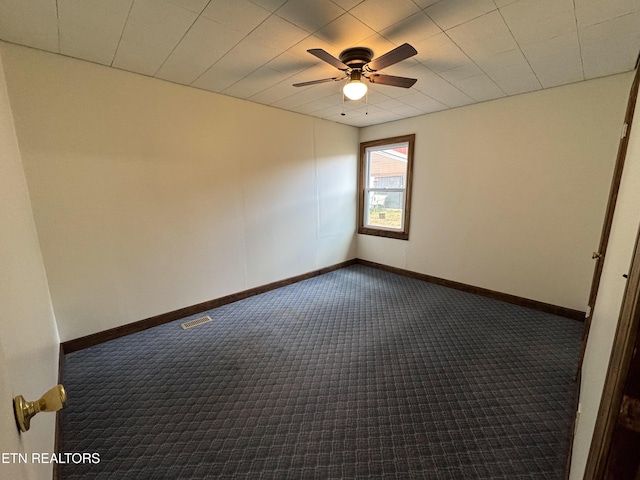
358,373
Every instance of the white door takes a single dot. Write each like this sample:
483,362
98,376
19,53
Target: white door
12,452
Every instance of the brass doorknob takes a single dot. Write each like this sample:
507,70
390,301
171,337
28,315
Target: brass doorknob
52,401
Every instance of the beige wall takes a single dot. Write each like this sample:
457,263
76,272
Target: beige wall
509,195
28,335
624,231
149,196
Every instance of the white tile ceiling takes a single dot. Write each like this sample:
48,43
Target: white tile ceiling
468,50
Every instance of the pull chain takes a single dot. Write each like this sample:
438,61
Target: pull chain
366,101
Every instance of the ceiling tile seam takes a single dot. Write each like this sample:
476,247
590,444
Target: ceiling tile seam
575,17
419,7
279,108
434,3
275,85
265,63
375,30
459,24
344,12
361,1
58,25
293,74
273,103
609,20
474,62
328,97
292,46
197,88
302,104
400,21
455,86
465,53
429,97
451,84
399,99
328,117
281,81
520,48
124,25
201,10
181,39
237,43
425,66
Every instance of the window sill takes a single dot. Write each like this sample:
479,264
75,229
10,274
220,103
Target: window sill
383,233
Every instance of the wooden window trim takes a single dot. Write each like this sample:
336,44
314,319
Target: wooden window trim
362,182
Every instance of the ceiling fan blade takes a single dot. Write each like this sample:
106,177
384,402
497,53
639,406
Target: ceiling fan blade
403,82
327,57
315,82
396,55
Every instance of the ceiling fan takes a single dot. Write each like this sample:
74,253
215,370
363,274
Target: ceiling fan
357,64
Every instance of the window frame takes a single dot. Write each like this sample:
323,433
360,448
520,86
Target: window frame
403,233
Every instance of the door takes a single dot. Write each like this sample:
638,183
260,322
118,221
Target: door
616,436
599,256
608,219
623,462
11,450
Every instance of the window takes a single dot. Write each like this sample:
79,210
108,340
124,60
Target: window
385,187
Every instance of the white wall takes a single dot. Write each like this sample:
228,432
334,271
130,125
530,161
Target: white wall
28,335
509,195
150,196
624,231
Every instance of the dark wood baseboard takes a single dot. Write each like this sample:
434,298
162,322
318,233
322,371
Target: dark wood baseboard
485,292
113,333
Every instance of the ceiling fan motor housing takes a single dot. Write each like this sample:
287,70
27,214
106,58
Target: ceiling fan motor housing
355,58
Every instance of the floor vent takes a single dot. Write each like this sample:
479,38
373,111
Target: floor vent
196,322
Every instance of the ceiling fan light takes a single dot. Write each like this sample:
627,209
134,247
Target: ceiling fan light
355,90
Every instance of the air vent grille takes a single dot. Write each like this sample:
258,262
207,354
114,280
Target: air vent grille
196,322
